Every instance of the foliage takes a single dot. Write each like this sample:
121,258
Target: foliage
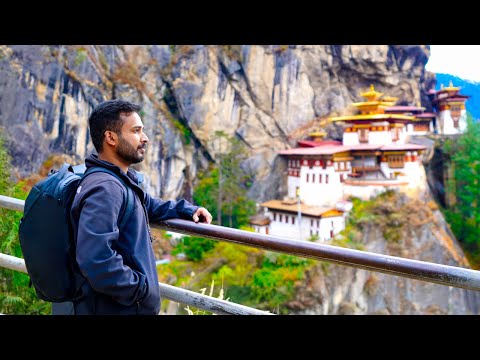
379,212
281,49
223,189
233,52
314,238
274,283
16,296
80,56
194,247
129,74
464,215
249,276
184,130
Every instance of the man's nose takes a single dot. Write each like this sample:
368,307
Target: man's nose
145,138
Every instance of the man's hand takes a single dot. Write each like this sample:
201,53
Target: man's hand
202,215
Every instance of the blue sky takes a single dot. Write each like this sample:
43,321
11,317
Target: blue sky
459,60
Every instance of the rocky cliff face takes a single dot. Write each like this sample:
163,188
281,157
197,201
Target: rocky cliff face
420,233
268,96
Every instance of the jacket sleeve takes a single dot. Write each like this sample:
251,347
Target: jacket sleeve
97,233
159,210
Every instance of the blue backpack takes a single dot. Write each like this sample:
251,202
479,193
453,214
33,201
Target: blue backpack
46,235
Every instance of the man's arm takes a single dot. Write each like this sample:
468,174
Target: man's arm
97,231
159,210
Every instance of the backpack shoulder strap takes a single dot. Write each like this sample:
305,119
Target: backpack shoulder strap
129,199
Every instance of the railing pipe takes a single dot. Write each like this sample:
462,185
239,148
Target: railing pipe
169,292
414,269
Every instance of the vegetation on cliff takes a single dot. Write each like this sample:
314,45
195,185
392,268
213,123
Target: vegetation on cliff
463,185
16,296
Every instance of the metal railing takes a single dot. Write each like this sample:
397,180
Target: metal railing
414,269
173,293
169,292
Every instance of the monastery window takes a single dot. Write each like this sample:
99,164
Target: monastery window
274,216
308,176
313,178
286,219
293,220
363,135
280,218
319,178
324,164
396,134
318,223
341,178
420,127
396,161
326,179
311,222
455,112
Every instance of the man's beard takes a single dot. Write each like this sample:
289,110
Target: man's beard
128,153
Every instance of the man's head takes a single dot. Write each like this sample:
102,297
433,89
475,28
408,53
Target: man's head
117,130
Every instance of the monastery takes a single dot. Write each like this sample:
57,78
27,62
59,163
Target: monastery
373,156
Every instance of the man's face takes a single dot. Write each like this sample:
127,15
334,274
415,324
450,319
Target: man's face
132,141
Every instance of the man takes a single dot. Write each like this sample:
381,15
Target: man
117,261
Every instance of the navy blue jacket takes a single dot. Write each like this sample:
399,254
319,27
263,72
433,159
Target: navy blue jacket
118,264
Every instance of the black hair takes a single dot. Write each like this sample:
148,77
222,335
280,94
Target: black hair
106,116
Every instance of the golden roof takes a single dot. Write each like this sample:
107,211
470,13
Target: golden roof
373,117
317,133
390,99
450,87
372,94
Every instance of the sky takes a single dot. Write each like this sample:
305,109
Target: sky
459,60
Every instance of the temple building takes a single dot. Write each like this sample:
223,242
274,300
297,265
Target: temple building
373,156
450,106
423,122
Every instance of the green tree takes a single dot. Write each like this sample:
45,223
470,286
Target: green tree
16,296
194,247
223,188
464,185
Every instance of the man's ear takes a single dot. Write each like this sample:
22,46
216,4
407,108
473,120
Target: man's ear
111,137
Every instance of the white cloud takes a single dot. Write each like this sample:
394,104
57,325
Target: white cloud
459,60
